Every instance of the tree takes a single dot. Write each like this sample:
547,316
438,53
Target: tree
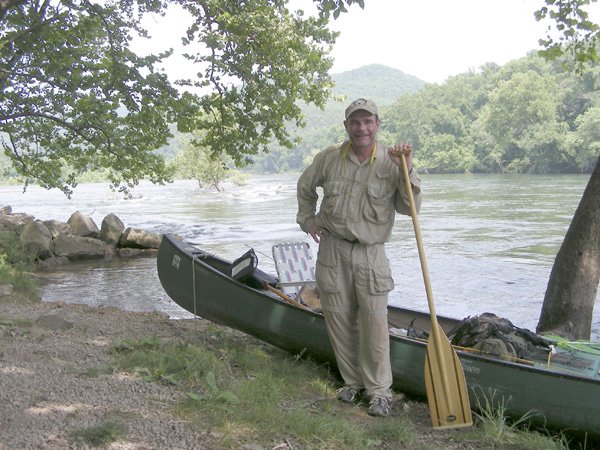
195,162
75,98
575,35
572,287
520,105
573,283
585,140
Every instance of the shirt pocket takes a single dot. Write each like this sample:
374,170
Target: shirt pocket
333,198
379,207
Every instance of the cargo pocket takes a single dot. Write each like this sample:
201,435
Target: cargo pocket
327,278
380,280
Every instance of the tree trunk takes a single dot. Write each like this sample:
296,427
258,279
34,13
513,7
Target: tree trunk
571,293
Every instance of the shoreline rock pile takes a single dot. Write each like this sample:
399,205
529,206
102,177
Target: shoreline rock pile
52,242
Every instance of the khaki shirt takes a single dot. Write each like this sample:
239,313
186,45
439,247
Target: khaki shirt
359,199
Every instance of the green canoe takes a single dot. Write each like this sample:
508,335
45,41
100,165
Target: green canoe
555,397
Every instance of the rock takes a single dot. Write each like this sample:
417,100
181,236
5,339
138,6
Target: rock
79,247
36,240
14,222
136,238
53,322
56,227
52,262
6,290
83,225
111,229
133,252
6,210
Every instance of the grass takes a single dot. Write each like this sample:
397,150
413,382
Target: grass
102,434
16,265
245,392
498,432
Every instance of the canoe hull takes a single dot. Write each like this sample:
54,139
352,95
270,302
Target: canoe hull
199,283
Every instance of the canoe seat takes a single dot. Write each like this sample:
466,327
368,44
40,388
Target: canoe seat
243,266
244,269
295,267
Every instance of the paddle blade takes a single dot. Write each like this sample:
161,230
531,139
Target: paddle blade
447,392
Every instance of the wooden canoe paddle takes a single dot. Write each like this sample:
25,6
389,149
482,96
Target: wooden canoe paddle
447,392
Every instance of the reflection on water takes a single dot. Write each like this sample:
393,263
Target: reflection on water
129,284
490,241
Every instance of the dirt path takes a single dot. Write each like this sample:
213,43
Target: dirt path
56,377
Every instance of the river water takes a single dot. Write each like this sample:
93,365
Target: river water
490,240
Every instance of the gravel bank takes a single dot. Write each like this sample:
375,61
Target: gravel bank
56,377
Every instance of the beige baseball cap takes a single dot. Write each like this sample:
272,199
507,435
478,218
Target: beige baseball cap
364,104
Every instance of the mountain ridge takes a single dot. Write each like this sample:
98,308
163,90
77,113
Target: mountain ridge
377,82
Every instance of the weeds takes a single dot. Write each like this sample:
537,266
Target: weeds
255,393
497,431
103,434
15,265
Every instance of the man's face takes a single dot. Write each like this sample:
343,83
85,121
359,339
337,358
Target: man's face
362,128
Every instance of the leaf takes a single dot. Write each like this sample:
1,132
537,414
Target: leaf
227,397
211,382
195,396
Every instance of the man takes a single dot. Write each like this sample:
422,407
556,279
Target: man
363,188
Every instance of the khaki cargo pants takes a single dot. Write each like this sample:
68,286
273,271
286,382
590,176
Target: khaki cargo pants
354,281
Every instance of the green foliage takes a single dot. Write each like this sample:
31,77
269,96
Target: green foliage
527,116
197,162
585,141
15,265
254,393
575,35
498,432
102,434
75,98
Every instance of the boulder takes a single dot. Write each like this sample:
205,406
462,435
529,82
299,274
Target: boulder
111,229
83,225
136,238
52,262
56,227
36,240
6,209
14,222
78,247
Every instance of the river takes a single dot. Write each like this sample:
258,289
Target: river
490,240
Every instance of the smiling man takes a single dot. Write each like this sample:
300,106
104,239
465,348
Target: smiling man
363,188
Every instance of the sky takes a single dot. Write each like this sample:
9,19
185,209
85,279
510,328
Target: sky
430,39
435,39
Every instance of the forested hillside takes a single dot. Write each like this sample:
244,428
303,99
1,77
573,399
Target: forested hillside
380,83
528,116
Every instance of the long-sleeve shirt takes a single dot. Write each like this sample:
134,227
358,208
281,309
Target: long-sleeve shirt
359,199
